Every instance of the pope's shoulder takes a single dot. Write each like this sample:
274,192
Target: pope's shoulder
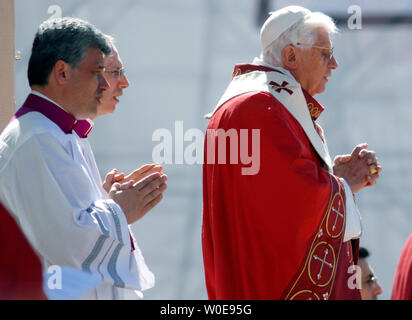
250,107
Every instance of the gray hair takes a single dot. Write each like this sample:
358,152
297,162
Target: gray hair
111,40
302,32
64,39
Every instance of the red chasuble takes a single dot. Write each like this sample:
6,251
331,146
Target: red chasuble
277,234
20,268
402,283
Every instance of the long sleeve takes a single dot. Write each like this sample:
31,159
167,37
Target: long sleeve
353,227
49,186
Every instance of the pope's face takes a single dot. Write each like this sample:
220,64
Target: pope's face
315,65
118,81
87,84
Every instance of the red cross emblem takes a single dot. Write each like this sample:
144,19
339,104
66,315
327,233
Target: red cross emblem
278,88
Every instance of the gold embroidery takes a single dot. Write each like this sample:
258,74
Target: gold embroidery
324,256
309,295
237,72
322,283
337,215
314,111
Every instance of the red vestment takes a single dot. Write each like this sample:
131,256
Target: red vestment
275,234
20,268
402,283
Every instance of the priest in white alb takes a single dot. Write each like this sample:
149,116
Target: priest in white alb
51,185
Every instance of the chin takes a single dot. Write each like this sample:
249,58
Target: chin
319,91
107,109
92,111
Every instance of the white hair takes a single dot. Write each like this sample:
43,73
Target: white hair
302,32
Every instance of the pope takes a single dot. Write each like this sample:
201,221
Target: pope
291,229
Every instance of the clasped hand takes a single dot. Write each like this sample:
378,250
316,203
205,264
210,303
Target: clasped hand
137,193
356,168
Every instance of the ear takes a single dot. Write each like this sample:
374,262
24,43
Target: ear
60,72
289,58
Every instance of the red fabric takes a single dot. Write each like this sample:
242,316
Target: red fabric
348,257
402,284
20,268
258,229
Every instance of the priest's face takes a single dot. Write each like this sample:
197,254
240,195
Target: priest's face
315,64
115,76
370,289
86,84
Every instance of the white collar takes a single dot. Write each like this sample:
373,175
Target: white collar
262,63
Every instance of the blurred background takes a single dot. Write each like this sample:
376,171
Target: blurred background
179,57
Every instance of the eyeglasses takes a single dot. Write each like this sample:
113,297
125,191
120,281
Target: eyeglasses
371,280
328,56
116,73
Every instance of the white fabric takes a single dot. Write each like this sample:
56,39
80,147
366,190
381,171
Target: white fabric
353,229
50,182
73,284
279,21
262,63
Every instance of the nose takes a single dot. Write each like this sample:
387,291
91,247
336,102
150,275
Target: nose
103,84
377,290
124,82
333,64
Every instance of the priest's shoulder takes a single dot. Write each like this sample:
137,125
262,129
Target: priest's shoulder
33,123
20,132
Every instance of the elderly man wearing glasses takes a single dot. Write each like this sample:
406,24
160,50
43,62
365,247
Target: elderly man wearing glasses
288,228
116,77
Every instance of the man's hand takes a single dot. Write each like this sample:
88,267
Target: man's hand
114,177
356,167
136,199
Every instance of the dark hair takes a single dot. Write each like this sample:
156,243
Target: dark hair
64,39
363,253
